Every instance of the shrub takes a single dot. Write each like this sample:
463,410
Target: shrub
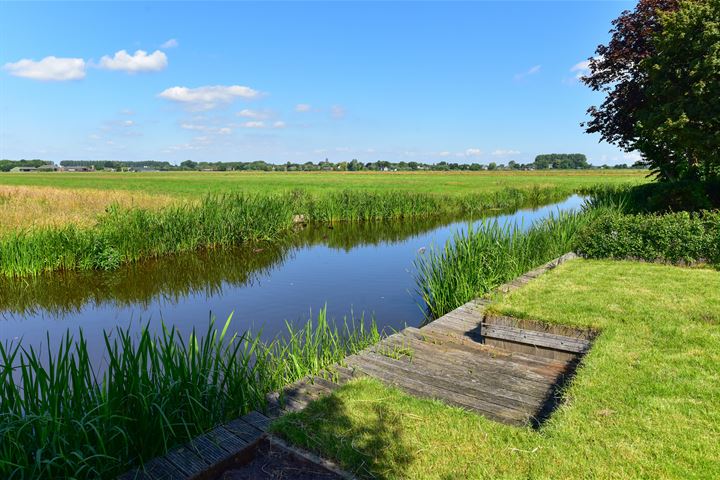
675,237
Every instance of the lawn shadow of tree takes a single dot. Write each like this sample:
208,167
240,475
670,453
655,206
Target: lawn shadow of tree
369,447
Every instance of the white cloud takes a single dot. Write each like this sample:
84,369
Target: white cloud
473,152
206,128
140,61
253,124
172,43
303,107
49,68
258,115
336,111
192,126
279,124
504,153
581,69
444,154
633,157
532,71
208,97
128,123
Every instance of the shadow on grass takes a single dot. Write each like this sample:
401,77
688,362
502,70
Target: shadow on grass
370,446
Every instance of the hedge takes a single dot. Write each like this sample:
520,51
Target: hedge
674,237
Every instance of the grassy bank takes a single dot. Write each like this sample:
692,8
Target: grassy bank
63,417
123,235
643,403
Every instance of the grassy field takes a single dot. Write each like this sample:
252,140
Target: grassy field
644,404
54,199
197,184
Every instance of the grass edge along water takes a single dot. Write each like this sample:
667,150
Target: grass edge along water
480,258
60,418
124,235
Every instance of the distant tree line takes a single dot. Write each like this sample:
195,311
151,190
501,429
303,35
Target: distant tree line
561,161
7,165
542,162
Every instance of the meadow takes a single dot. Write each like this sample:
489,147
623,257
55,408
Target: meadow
199,184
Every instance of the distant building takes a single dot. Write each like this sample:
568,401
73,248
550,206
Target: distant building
23,169
49,168
79,168
144,169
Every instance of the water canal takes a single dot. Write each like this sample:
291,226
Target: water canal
354,269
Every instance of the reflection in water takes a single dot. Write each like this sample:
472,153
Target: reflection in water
362,267
170,278
202,273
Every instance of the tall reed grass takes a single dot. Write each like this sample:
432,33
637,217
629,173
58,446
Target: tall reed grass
63,417
123,235
475,261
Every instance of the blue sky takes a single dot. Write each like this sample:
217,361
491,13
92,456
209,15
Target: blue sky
239,81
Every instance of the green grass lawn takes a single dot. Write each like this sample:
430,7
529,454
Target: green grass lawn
645,402
201,183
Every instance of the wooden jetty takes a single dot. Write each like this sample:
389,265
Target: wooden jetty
506,369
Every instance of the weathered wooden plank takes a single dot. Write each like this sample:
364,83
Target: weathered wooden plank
205,448
468,383
185,460
526,324
456,358
541,339
467,344
257,420
428,390
243,430
493,377
227,440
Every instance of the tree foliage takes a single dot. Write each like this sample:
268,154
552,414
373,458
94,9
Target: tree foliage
661,76
682,116
616,71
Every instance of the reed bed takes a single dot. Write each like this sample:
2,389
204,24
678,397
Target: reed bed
122,235
62,417
479,259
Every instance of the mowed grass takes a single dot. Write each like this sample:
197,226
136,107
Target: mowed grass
645,402
198,184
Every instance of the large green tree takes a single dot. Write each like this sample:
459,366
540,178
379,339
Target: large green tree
678,128
660,73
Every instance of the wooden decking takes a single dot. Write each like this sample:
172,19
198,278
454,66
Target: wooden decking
506,369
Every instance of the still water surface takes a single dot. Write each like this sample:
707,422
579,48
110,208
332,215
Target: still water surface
354,269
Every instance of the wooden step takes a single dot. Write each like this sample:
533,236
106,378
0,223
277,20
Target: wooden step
535,338
466,343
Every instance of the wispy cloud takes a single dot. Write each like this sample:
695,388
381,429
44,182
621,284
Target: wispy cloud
208,97
504,153
473,152
303,107
581,69
336,111
48,69
140,61
172,43
532,71
256,114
